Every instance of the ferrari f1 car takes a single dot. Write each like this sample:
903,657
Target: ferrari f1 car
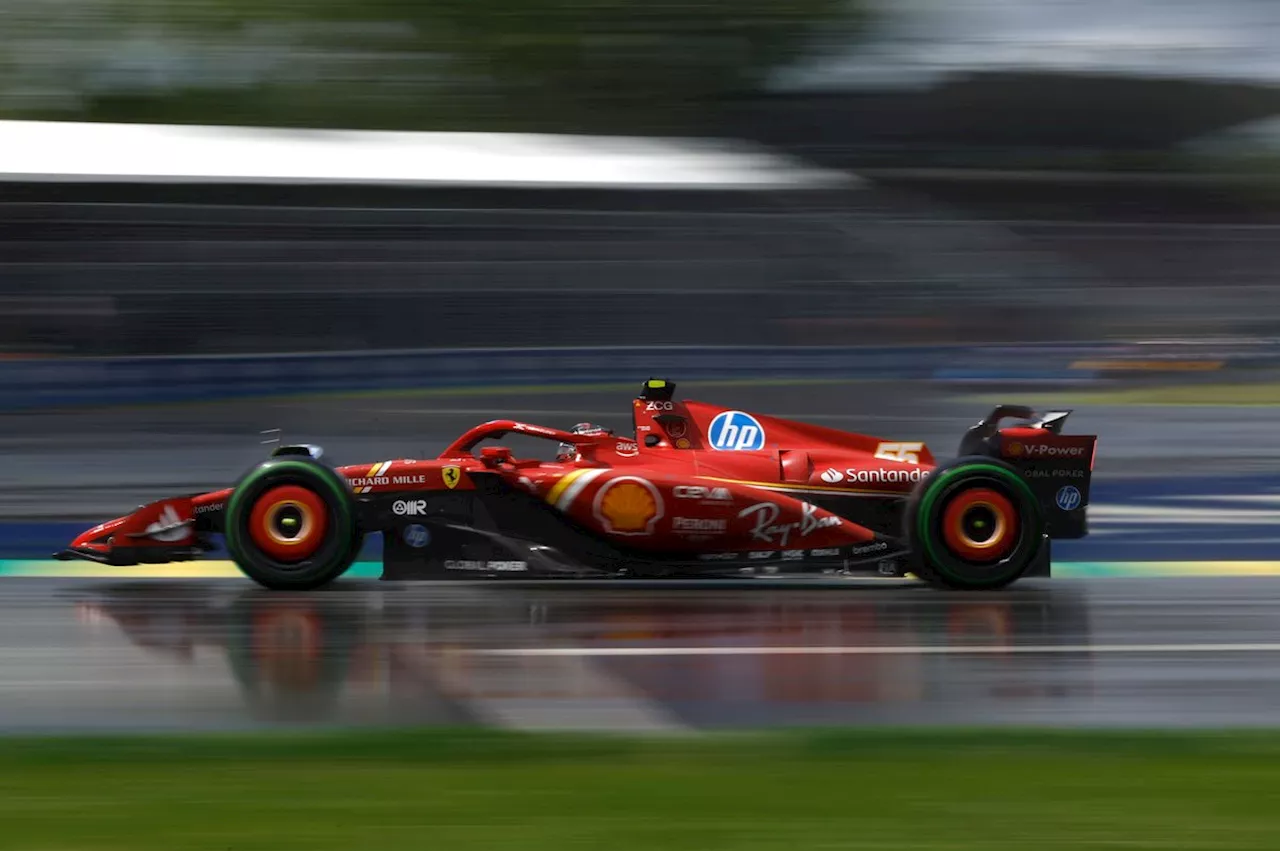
697,491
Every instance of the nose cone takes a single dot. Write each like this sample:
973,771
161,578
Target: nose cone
92,544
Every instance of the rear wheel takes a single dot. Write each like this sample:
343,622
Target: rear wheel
974,524
290,524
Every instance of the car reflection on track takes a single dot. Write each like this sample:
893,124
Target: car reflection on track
584,657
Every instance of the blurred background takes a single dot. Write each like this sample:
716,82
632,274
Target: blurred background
999,172
881,216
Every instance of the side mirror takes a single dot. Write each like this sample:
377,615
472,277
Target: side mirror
492,456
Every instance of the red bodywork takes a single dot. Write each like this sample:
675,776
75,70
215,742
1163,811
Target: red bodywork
693,477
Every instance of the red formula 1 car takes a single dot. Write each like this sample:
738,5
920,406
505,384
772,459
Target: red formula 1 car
698,490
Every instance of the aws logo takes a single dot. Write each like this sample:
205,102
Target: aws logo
736,431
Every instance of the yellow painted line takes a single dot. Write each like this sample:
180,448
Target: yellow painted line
1169,568
202,569
189,570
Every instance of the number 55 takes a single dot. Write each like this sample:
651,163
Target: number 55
907,452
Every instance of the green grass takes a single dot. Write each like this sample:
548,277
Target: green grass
474,790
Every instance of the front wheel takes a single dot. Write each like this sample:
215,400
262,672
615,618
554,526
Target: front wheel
290,524
973,525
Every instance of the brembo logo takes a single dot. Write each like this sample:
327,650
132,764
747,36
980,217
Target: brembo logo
832,476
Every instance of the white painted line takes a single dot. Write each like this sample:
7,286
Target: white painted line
1103,513
930,650
1244,499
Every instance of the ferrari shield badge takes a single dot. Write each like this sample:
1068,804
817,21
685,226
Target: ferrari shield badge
451,476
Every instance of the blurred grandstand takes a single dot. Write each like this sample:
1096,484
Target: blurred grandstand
942,108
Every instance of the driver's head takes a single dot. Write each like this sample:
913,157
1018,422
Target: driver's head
569,452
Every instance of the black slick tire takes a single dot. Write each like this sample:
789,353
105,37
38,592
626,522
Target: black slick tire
328,504
945,520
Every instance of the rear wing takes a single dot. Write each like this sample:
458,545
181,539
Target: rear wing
1057,467
979,439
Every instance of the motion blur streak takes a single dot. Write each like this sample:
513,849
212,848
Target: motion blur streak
1098,180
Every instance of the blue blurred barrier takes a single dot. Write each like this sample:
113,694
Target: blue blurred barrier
52,382
39,540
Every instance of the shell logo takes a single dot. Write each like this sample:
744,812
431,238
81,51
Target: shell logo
628,505
1015,449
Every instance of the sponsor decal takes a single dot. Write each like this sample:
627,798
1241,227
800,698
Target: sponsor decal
409,480
717,556
701,493
767,528
660,406
683,443
208,509
736,431
364,484
416,536
1068,498
756,556
168,527
887,568
496,566
1049,450
409,507
628,448
908,453
1054,474
628,505
451,474
377,475
878,546
825,552
875,476
533,429
792,555
698,524
678,429
1014,449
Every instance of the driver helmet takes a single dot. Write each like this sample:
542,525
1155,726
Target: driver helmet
568,451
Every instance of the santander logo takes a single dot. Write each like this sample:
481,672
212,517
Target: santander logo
873,476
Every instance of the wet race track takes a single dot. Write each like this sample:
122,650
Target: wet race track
217,654
157,654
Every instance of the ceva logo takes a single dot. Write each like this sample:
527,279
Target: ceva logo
736,431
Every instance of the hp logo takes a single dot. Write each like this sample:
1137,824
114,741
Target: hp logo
1068,498
416,536
736,431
